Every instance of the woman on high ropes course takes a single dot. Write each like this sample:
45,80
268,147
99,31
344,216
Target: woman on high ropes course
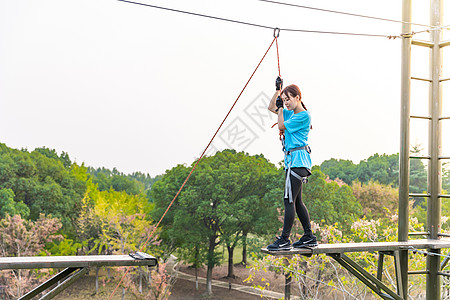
294,123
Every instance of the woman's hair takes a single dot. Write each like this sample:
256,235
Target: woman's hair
293,90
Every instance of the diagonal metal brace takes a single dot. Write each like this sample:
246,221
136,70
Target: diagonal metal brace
368,279
51,282
63,285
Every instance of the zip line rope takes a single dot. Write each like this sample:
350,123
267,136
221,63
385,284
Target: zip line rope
201,156
259,25
431,27
344,13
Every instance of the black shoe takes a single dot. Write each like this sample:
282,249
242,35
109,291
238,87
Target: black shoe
307,240
280,243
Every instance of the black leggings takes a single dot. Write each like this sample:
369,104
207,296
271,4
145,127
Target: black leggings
297,205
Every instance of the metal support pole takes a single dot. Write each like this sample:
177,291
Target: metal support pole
380,266
435,150
398,274
288,280
403,206
287,287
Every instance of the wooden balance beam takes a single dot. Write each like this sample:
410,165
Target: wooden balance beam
74,268
337,252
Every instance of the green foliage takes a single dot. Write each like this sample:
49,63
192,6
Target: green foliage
380,168
376,199
124,227
329,203
224,200
51,153
112,221
133,184
64,247
417,174
41,181
342,169
10,207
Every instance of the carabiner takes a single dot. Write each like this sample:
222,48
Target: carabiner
276,32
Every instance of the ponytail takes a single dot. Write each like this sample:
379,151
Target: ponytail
303,104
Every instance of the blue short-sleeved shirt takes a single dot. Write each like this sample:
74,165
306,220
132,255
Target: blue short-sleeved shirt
296,135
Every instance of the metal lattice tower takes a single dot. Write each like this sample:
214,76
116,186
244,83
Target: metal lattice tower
434,157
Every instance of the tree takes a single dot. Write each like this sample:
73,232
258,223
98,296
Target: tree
134,183
381,168
220,201
19,237
342,169
123,222
10,207
41,181
376,199
51,153
329,203
161,196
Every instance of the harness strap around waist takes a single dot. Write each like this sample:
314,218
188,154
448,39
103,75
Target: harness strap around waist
307,148
288,189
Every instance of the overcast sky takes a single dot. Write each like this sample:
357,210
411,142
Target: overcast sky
140,89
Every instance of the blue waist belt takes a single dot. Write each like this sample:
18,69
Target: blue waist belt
287,189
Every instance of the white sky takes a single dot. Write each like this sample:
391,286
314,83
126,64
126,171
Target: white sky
141,89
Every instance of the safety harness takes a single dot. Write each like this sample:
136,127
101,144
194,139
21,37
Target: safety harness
287,189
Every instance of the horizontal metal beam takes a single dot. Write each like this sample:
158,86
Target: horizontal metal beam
39,262
444,157
421,117
419,233
444,196
422,43
444,44
443,234
444,118
421,157
418,272
443,274
445,79
421,79
419,195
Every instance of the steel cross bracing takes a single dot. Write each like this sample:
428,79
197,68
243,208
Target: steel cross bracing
74,268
